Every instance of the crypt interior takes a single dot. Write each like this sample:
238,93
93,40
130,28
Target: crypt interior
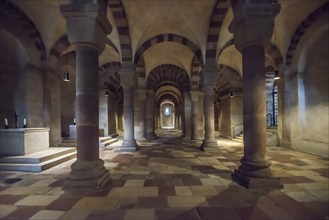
164,109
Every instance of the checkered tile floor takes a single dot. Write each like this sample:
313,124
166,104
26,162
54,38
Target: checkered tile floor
172,179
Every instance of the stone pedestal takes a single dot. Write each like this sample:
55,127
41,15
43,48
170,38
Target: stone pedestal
22,141
87,27
252,27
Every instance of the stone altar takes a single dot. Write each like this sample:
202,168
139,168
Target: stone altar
22,141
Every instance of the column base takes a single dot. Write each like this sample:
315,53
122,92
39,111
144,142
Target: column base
208,143
268,183
91,174
150,136
255,174
129,145
187,138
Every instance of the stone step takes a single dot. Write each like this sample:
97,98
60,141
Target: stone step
38,157
68,144
69,141
105,142
237,140
38,167
239,137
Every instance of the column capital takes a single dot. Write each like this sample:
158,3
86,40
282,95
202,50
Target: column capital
141,93
195,95
86,23
208,90
253,21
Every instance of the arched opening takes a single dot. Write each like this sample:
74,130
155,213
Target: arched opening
167,115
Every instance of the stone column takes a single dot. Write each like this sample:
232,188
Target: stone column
128,81
140,119
120,127
150,116
209,78
111,108
195,114
157,116
252,27
103,113
87,27
187,115
176,117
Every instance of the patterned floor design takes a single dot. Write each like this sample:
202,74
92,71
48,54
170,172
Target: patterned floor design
172,179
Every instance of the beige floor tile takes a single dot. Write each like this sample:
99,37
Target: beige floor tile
144,214
16,190
47,215
126,202
187,201
37,200
6,210
56,191
75,214
41,183
221,167
134,183
183,191
139,172
230,164
318,178
96,203
209,161
302,196
25,190
274,211
322,195
306,173
291,188
212,181
203,190
134,191
314,185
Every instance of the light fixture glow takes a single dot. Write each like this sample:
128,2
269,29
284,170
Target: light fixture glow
276,75
66,77
106,93
66,74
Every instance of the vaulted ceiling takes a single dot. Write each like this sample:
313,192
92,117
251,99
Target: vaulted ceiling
170,32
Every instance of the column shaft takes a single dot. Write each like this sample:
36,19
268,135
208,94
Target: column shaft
195,115
129,142
188,116
254,105
208,105
150,116
87,103
112,122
